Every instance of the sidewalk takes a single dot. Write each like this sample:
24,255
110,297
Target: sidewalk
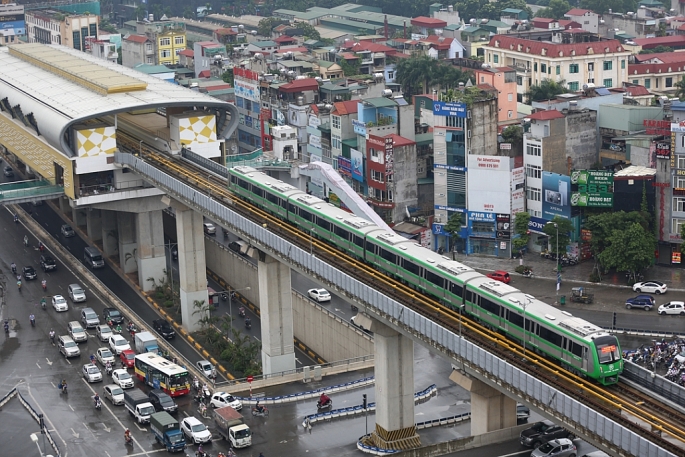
543,268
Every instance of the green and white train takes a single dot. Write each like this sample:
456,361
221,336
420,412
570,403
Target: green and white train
576,344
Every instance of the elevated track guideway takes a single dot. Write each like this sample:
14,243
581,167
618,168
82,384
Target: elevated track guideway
635,410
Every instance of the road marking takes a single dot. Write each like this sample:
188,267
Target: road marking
49,363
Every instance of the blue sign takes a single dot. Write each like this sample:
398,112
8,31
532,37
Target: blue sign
449,109
449,167
556,194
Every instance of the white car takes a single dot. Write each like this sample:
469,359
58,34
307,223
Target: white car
59,303
103,332
650,287
121,378
206,369
104,355
674,307
114,393
195,431
319,295
118,343
91,373
221,399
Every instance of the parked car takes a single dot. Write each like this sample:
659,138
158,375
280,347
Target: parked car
59,303
650,287
47,263
562,447
500,275
541,432
118,343
121,378
30,273
114,393
103,332
76,293
104,355
112,314
641,301
319,295
195,431
165,329
673,307
67,231
221,399
91,373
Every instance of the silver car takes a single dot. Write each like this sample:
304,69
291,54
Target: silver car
91,373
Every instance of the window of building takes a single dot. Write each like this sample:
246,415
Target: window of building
179,40
496,58
676,225
608,65
165,41
669,82
573,86
534,194
679,204
335,122
166,53
534,150
573,68
533,171
608,83
623,64
558,69
591,66
681,161
648,83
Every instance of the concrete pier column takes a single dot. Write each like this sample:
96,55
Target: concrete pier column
276,313
490,409
94,224
110,236
126,226
192,266
151,257
394,371
78,215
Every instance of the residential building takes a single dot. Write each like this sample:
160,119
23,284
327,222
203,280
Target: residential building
57,27
596,62
504,80
588,20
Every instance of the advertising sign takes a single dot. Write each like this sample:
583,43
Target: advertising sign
449,109
556,190
357,165
246,89
592,188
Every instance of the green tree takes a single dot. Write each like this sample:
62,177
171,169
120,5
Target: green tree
630,250
558,230
453,227
521,236
555,10
546,90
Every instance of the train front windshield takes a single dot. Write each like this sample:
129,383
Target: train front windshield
608,350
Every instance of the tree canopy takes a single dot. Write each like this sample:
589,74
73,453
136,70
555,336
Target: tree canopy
546,90
555,10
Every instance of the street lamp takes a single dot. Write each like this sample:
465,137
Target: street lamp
556,226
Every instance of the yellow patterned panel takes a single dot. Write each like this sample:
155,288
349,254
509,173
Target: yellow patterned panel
96,141
197,129
38,155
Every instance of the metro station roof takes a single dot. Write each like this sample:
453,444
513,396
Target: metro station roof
62,87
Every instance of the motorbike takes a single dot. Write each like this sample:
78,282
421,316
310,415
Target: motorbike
241,312
327,404
263,411
248,323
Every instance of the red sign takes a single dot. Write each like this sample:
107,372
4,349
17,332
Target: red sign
250,378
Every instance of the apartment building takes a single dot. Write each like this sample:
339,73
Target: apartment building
602,63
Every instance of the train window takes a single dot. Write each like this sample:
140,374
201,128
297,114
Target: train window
489,306
387,255
323,223
456,289
341,232
359,241
411,267
549,335
515,319
431,277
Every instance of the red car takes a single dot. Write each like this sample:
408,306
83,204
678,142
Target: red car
127,358
500,275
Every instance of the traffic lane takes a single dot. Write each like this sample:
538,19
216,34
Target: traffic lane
52,222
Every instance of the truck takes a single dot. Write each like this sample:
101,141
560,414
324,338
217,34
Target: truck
138,405
167,432
146,342
232,428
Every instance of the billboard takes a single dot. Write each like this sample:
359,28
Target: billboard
556,190
592,188
357,165
449,109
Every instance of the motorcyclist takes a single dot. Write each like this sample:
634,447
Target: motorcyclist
324,399
32,318
52,336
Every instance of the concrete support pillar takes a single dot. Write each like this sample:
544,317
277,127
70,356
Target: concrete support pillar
490,409
192,267
78,215
151,256
94,224
394,371
64,205
276,314
110,236
126,227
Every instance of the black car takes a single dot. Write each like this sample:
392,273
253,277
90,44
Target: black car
9,172
112,314
47,263
162,402
163,328
30,273
541,432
